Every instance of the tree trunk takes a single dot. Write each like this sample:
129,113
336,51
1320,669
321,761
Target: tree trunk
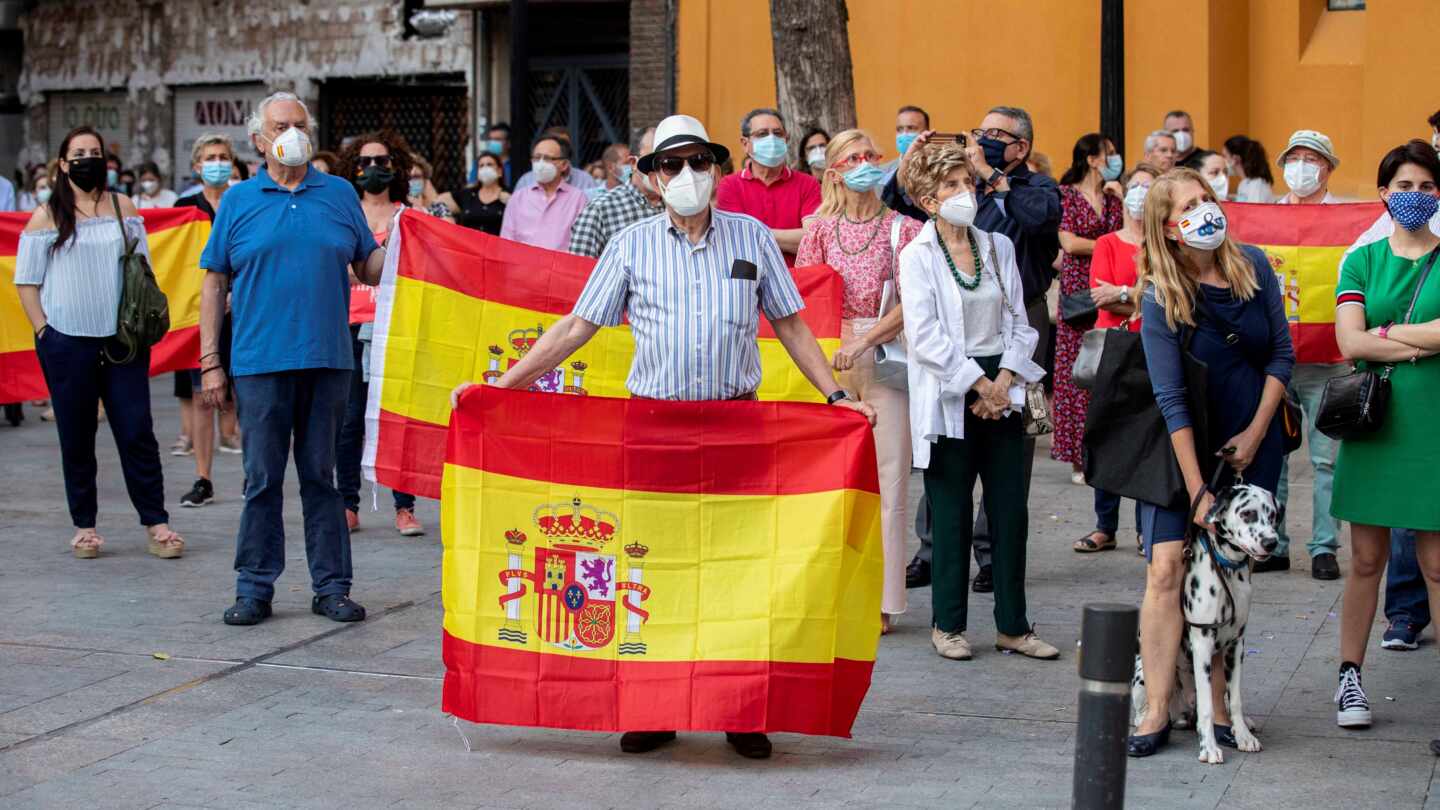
814,81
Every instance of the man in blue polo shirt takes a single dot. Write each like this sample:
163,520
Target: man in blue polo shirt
283,244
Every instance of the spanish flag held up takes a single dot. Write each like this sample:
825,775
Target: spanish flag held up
176,238
624,564
456,305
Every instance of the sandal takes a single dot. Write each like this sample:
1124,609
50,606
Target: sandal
86,544
1087,544
888,622
165,543
1140,544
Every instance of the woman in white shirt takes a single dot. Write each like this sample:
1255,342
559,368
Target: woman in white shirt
1247,161
970,345
149,193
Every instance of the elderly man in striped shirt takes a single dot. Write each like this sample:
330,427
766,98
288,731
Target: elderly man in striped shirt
692,283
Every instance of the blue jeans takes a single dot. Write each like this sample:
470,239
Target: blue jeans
307,405
1107,513
1405,596
351,447
1308,386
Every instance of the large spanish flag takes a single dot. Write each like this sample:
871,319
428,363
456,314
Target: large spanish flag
1304,244
456,305
623,564
176,237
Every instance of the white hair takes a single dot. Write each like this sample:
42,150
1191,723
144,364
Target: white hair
211,139
256,124
1151,140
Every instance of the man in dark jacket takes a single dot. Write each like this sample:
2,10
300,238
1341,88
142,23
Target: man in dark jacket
1024,206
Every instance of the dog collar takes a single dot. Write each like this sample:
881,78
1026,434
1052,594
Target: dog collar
1223,562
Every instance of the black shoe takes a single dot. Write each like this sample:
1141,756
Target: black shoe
1225,736
1323,566
638,742
750,746
917,574
1435,747
337,607
247,611
984,581
1144,745
1276,562
202,493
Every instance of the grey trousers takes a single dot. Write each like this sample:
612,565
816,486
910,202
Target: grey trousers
1039,315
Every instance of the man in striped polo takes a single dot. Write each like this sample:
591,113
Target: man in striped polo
692,283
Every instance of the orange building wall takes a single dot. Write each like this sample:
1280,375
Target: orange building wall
1258,67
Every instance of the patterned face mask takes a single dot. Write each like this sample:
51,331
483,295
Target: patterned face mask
1412,209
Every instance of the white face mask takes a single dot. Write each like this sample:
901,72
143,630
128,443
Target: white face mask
149,187
959,210
1204,227
1183,141
545,172
292,148
487,175
688,193
1303,178
1220,185
816,156
1135,201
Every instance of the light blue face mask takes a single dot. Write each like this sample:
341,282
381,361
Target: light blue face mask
494,147
625,174
863,178
904,139
769,150
1114,165
417,187
215,172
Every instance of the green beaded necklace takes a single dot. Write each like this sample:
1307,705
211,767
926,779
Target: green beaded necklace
974,254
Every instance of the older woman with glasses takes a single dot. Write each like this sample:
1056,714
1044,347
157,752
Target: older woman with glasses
860,238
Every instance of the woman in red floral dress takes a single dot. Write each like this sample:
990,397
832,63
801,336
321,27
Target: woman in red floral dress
1087,213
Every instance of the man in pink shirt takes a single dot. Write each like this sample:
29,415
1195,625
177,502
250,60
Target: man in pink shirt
541,215
767,189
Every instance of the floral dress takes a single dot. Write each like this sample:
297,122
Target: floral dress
1077,216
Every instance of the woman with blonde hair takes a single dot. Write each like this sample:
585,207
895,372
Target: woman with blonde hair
1206,297
853,232
970,344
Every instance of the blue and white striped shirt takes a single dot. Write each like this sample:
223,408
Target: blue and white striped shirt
79,284
693,309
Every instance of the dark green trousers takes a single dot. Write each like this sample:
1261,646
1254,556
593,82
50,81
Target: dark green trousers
993,451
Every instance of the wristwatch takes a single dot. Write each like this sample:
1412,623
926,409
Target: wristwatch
1124,295
994,177
838,395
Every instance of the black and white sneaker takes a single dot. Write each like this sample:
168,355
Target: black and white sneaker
202,493
1352,709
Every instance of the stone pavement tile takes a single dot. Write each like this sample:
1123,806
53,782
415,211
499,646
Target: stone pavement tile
41,760
71,701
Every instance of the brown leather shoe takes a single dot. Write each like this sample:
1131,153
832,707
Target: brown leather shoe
1028,645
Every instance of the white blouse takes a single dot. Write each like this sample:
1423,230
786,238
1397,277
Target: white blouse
941,372
80,283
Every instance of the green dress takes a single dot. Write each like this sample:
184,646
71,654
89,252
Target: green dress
1388,478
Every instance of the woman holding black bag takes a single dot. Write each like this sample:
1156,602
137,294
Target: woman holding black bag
1388,315
68,274
1219,303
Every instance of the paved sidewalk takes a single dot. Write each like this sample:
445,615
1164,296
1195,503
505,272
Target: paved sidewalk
120,687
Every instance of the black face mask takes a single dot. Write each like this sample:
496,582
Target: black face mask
87,173
375,179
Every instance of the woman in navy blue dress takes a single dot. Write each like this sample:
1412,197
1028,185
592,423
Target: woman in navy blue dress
1198,281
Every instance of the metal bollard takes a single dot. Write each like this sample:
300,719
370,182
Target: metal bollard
1107,662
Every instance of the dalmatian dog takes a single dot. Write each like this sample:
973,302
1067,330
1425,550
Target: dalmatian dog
1215,595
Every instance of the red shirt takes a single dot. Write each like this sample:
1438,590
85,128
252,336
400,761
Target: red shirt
1113,262
780,206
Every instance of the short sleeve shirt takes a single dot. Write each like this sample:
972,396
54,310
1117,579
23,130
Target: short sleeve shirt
782,205
288,254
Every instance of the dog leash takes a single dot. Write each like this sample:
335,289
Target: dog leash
1218,563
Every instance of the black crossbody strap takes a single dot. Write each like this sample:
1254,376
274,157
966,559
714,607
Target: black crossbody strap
119,220
1420,285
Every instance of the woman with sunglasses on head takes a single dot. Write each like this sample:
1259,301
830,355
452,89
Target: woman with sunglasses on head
481,206
1220,303
853,232
378,163
67,272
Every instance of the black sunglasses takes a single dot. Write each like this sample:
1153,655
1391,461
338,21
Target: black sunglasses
671,166
383,161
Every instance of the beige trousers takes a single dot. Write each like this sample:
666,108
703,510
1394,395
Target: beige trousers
892,449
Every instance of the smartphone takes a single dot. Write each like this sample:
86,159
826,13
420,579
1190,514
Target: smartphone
951,137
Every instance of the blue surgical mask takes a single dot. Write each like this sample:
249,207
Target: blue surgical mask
904,139
215,172
417,186
1114,165
112,178
1412,209
495,147
769,150
625,173
863,178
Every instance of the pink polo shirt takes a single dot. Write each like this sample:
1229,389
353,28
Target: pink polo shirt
781,205
534,220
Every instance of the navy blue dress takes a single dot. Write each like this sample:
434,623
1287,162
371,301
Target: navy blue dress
1242,343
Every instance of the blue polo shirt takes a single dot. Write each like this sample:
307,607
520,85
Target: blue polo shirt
288,254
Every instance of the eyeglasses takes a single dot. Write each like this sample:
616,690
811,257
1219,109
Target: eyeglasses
545,159
994,134
364,161
671,166
856,159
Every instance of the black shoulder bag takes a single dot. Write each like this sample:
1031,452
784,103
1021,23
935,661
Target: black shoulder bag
1355,404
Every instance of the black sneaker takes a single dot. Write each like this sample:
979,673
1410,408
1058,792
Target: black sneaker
1352,708
917,574
1276,562
984,581
750,746
202,493
640,742
1323,566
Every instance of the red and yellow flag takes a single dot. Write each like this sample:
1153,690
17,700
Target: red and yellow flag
176,237
459,306
1305,244
623,564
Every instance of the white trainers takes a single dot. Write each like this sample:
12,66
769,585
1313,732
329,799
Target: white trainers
1352,709
950,645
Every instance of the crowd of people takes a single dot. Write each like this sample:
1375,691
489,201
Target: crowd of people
948,252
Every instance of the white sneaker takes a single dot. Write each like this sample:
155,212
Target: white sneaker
1352,707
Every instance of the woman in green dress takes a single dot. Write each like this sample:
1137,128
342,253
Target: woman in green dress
1386,479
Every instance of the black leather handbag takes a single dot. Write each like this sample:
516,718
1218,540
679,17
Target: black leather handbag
1354,404
1078,310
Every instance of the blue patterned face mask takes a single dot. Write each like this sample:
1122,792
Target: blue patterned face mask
1412,209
